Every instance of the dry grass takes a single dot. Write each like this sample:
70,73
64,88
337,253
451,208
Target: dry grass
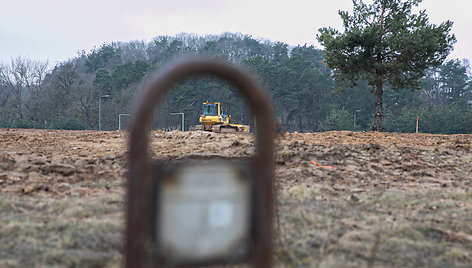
375,229
61,232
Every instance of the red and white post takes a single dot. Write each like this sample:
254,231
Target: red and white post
416,124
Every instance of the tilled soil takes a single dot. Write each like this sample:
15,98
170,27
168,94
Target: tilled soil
355,199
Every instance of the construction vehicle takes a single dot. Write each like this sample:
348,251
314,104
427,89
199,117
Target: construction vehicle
212,119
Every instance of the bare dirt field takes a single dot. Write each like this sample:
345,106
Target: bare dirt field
391,199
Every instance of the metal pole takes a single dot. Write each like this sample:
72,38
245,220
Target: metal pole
119,120
183,117
138,250
100,111
355,116
416,124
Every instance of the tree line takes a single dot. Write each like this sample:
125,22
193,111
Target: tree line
305,95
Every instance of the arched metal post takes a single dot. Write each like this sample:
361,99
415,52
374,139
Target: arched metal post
139,184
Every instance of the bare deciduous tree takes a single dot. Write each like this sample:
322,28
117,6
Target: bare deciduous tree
21,85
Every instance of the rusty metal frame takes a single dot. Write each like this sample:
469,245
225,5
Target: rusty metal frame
138,248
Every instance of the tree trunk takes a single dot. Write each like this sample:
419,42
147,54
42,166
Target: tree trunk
378,107
379,72
300,125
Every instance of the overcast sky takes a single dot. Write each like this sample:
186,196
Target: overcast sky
55,30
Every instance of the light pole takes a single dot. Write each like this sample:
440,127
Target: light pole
183,116
100,111
119,120
356,111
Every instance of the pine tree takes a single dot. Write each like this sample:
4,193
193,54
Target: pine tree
385,43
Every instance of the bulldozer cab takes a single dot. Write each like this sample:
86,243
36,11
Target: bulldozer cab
211,109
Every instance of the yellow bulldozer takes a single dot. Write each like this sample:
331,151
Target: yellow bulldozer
212,119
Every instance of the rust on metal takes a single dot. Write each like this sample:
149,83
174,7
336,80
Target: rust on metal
138,236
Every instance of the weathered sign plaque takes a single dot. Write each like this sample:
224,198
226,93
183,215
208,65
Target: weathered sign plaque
203,212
